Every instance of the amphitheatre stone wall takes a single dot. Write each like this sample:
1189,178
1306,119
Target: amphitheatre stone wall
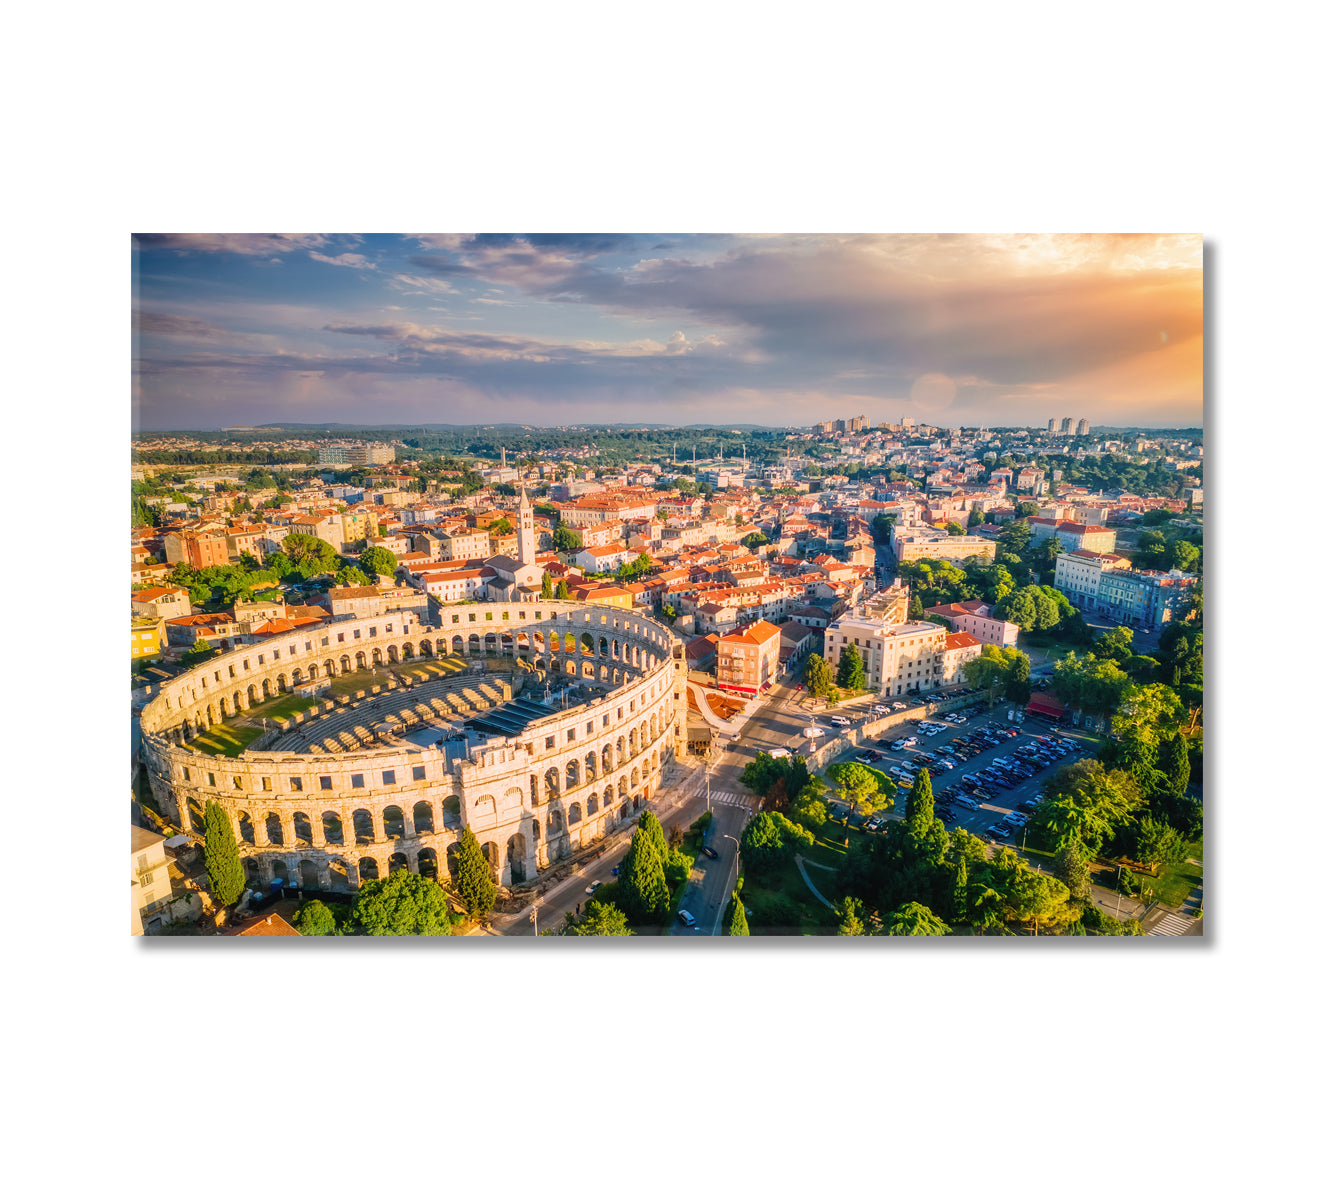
330,820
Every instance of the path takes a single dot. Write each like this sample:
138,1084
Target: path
801,866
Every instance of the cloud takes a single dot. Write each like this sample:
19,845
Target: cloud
172,325
232,243
420,285
344,260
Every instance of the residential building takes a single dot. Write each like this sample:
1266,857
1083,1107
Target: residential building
375,601
196,548
467,543
959,648
1079,573
602,593
1143,599
604,558
909,547
147,635
898,658
1082,430
150,883
219,630
1067,424
749,659
162,602
1073,536
974,617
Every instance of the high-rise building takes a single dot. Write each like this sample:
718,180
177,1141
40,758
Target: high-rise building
1051,425
1067,424
1083,427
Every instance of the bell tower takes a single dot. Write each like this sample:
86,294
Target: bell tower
527,534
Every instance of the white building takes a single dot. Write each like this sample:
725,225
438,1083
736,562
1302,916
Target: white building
899,659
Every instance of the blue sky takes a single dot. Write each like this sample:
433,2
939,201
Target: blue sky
244,329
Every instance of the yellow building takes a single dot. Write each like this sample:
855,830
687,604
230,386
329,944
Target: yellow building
146,637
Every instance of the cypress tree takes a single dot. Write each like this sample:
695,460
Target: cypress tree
546,586
738,926
475,887
652,828
1176,765
226,876
961,891
642,884
920,810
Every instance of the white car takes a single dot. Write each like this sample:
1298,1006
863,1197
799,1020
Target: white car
880,710
592,887
813,731
839,721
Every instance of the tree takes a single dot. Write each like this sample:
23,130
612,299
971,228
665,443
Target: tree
1019,609
809,808
818,677
753,541
850,914
1157,842
915,920
1115,645
882,526
920,810
500,527
857,787
974,517
761,843
953,528
851,673
562,590
603,920
546,586
652,828
960,893
567,540
1086,804
1026,508
737,927
642,886
1089,684
222,859
314,918
376,560
474,884
1174,762
1071,867
353,577
200,652
404,905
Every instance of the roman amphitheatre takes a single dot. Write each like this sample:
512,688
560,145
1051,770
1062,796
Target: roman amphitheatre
352,749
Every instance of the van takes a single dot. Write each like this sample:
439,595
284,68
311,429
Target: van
839,721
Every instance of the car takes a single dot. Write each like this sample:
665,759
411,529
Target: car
898,706
998,830
615,871
886,744
592,887
968,803
839,721
880,710
865,758
709,852
1030,804
686,919
1015,820
812,731
909,741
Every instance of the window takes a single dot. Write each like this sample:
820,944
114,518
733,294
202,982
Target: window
265,783
324,641
551,743
211,781
291,650
387,777
490,616
418,772
232,672
217,676
587,729
236,783
356,633
326,783
186,772
294,782
372,631
307,645
472,616
503,616
389,629
358,781
454,619
341,637
606,720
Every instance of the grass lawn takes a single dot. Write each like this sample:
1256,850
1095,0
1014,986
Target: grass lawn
227,740
1172,885
282,707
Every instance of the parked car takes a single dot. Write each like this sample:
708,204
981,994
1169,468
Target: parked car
886,744
707,851
686,919
880,710
592,887
836,720
965,802
998,830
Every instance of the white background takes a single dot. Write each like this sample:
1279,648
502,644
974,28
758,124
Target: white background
996,1067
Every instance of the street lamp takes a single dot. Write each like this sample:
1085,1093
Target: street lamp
737,863
533,915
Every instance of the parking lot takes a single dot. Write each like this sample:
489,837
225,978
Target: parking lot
1019,758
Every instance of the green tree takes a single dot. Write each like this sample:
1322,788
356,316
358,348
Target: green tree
915,920
1156,842
313,918
603,920
1115,645
959,896
222,859
353,577
567,540
1070,866
1088,684
376,560
851,673
953,528
857,787
474,884
200,652
851,917
404,905
974,517
500,527
738,927
1019,609
642,885
652,827
819,679
546,586
920,810
1086,804
1175,764
562,590
1026,508
761,843
809,808
753,541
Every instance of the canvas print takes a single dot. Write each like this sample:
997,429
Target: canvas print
667,585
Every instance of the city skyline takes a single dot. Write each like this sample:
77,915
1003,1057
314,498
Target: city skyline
562,329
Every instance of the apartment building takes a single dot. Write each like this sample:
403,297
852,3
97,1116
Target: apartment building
1072,535
974,618
959,649
196,548
749,659
1079,574
909,547
899,659
1143,599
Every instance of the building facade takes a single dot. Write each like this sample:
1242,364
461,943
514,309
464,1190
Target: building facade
898,659
749,659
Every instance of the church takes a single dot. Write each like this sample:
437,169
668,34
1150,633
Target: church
521,578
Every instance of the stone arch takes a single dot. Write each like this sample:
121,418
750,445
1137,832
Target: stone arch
576,814
441,646
492,853
620,751
338,880
273,829
591,765
282,683
333,828
555,822
456,645
398,861
572,773
394,824
264,688
252,875
422,817
653,726
278,869
310,873
621,789
250,694
569,666
602,647
449,807
345,665
592,806
363,827
452,861
607,797
552,779
588,671
329,671
377,659
296,676
516,857
643,735
247,828
425,648
194,813
407,650
586,644
392,652
301,827
427,864
368,868
361,660
608,763
634,742
474,645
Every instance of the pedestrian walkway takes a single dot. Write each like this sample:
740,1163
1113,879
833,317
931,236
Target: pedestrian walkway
1172,925
801,866
732,799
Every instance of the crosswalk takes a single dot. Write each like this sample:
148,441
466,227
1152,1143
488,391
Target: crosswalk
1172,925
732,799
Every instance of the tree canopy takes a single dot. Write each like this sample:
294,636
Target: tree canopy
475,886
404,905
222,858
603,920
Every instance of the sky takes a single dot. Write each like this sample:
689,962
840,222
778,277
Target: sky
774,329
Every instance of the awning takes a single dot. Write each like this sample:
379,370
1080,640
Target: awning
1040,702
